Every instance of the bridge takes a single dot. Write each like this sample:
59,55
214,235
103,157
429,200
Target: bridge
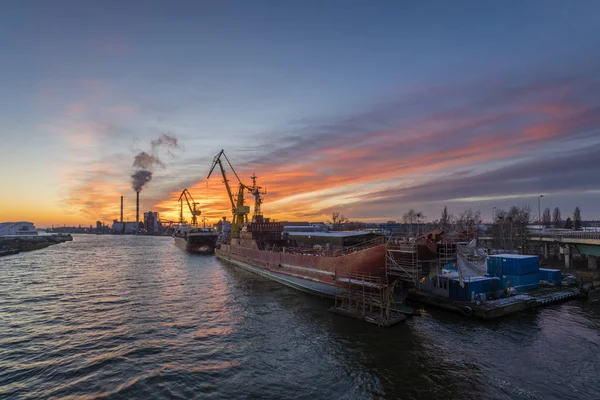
583,242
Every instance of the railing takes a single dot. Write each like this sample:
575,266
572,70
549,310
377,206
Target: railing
365,245
573,235
559,235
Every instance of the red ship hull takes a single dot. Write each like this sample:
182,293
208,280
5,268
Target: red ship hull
309,271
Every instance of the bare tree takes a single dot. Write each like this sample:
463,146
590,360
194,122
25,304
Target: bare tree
577,219
546,218
556,221
468,219
568,223
444,222
510,230
414,219
337,220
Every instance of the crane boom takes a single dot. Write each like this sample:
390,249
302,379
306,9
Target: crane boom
239,211
217,160
185,194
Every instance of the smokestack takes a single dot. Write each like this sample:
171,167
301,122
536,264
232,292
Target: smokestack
121,209
137,207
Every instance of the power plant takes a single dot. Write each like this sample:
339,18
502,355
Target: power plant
151,223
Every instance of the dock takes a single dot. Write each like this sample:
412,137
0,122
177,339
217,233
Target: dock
492,309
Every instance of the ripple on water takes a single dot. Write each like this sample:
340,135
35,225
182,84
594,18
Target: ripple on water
135,317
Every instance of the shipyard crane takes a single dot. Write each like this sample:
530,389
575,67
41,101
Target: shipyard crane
185,194
239,211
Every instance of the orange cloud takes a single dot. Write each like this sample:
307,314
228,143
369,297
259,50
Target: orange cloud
420,151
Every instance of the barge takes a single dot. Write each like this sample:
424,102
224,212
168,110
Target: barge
196,240
497,308
512,283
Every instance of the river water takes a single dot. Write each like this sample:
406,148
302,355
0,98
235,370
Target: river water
129,317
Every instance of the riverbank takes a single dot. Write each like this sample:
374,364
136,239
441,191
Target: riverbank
33,242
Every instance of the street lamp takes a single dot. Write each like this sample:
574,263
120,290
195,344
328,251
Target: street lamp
494,215
539,209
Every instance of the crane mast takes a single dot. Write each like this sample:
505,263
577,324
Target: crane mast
193,207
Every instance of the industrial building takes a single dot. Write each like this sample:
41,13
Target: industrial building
17,228
125,227
152,223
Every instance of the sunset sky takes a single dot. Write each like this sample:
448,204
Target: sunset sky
368,108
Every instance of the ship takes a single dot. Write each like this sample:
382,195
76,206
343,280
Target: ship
191,237
261,246
194,239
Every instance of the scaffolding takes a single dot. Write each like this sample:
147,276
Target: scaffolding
402,259
446,254
366,297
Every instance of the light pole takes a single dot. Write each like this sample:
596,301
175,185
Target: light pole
494,215
539,209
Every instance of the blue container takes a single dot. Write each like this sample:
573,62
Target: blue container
553,276
522,283
512,264
496,284
493,270
476,284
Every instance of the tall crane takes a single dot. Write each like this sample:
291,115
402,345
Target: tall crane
239,211
193,207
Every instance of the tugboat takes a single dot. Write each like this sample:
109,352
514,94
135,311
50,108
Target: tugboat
191,237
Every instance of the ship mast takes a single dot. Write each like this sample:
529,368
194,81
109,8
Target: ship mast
255,190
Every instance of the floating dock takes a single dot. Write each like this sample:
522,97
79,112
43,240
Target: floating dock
502,307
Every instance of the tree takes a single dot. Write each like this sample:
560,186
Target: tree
510,230
556,221
468,219
444,217
337,220
445,220
568,223
412,218
546,218
577,219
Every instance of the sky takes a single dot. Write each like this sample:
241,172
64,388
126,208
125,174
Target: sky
359,107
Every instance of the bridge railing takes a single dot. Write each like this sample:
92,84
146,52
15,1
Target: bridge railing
572,235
